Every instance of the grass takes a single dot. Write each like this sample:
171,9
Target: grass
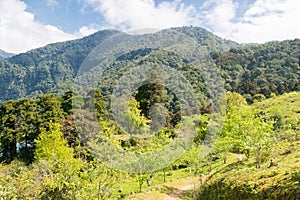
129,184
286,105
283,178
260,183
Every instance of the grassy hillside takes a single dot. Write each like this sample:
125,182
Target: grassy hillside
242,180
269,168
279,176
285,107
55,145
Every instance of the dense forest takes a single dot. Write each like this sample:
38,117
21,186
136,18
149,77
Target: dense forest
52,136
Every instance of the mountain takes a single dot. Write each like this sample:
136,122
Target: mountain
46,69
4,55
51,69
254,70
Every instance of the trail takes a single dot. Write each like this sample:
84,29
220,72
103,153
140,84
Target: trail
170,190
175,194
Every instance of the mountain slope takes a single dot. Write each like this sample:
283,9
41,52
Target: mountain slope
250,70
51,69
266,68
279,175
45,69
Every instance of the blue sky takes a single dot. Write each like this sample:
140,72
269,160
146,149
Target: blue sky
70,15
28,24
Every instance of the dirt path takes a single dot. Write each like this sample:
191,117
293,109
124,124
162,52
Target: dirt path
169,190
175,194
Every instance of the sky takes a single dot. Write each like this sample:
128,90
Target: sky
28,24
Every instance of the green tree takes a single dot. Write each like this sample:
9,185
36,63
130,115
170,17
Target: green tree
247,129
151,92
18,125
49,109
51,145
134,114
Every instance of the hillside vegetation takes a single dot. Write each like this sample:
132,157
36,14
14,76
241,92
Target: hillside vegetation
278,177
256,145
261,69
250,70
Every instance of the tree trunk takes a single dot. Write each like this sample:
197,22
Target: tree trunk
13,149
224,159
149,180
141,187
196,169
257,156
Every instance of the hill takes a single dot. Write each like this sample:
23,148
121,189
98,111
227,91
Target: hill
284,108
45,69
240,178
278,177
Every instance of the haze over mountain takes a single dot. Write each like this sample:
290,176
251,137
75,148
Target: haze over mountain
4,55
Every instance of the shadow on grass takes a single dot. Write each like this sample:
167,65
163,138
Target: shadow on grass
171,191
180,194
227,168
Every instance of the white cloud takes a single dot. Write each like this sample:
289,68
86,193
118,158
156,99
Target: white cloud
218,14
263,21
87,30
269,20
139,14
20,32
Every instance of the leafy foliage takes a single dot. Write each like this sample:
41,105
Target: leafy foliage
51,145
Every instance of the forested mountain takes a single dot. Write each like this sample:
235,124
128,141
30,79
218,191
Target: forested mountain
45,69
250,70
51,69
261,69
4,55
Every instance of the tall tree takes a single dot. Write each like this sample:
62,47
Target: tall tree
151,92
